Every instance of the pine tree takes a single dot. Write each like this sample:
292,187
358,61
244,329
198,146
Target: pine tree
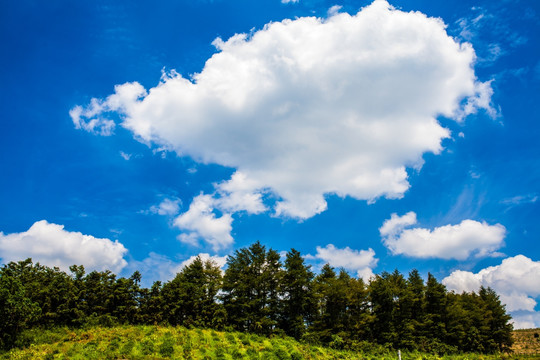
297,290
190,298
250,287
359,317
498,327
435,310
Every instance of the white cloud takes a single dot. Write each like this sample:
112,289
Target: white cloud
515,280
51,245
361,261
200,222
312,106
125,156
395,225
169,207
289,1
92,124
240,194
446,242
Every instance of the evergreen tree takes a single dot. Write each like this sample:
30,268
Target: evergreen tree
384,297
298,302
359,317
498,329
414,297
330,293
152,304
435,310
250,287
190,298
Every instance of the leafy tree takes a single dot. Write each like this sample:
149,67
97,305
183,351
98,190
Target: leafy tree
17,311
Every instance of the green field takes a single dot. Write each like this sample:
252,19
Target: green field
158,342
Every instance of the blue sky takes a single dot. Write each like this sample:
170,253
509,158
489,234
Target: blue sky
373,136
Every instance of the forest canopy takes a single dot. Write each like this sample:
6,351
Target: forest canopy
259,293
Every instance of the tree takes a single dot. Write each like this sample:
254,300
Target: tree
17,311
498,327
359,317
435,310
152,304
250,289
190,298
298,302
330,293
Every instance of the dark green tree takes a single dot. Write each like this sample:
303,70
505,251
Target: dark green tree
298,303
17,311
435,310
498,329
359,317
250,289
190,299
330,294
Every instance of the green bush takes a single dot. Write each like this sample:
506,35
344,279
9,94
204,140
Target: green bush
147,347
166,348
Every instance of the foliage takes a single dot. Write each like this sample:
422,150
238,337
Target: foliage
158,342
259,295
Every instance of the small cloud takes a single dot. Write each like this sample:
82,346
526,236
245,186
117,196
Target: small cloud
360,261
446,242
334,10
168,207
289,1
200,222
93,124
125,155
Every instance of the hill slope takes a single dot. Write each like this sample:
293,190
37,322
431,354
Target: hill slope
526,342
156,342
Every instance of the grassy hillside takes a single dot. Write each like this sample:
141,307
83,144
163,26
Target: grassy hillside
155,342
527,342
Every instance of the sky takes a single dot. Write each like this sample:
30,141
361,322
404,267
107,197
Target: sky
372,136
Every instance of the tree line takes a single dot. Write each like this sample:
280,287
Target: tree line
258,293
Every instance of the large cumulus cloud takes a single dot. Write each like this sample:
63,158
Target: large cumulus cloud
51,245
311,106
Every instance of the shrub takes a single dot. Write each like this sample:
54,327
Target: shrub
147,347
166,348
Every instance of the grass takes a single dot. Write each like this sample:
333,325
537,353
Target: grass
157,342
